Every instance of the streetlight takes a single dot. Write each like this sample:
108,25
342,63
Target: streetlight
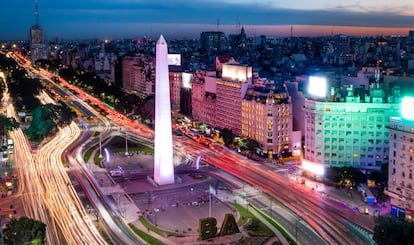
296,229
271,208
156,210
100,141
126,143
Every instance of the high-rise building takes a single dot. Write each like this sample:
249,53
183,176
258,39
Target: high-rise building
105,65
138,75
37,46
212,41
163,148
267,118
176,80
352,132
231,89
203,96
185,94
401,167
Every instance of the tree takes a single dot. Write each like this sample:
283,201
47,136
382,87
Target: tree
390,231
346,176
380,194
384,172
376,176
227,135
8,123
24,230
252,145
41,124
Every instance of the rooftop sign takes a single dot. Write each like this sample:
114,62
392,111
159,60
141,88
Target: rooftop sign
317,86
407,108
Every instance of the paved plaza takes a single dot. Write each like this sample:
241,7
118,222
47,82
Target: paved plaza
175,208
178,207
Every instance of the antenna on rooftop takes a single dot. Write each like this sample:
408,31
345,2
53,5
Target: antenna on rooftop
291,32
218,23
36,13
237,24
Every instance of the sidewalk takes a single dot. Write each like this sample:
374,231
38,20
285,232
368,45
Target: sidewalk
351,198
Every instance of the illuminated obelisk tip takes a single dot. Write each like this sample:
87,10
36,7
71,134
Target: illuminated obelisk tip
163,149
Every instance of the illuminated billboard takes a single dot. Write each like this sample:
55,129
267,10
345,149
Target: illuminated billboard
237,72
407,111
313,167
174,59
317,86
186,78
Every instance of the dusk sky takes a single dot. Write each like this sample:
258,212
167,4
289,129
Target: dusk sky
72,19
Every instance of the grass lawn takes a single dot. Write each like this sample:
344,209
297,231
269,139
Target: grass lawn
254,226
117,144
148,238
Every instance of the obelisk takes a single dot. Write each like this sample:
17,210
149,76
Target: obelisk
163,149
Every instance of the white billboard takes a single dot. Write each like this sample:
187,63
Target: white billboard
317,86
237,72
174,59
186,78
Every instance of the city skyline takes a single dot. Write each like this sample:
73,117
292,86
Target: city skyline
186,19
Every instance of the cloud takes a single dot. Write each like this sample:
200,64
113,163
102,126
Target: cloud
57,16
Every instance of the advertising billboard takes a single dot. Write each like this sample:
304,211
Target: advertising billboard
174,59
407,111
186,78
317,86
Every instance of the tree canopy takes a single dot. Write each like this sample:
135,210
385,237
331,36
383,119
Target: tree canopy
46,118
347,176
7,123
227,135
391,231
24,230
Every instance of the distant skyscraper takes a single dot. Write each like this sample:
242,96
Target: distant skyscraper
36,38
163,149
212,41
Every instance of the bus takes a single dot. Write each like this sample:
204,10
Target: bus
366,194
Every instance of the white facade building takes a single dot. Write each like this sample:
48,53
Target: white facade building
401,167
348,133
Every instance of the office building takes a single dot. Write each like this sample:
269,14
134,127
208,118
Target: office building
231,90
401,167
350,130
267,118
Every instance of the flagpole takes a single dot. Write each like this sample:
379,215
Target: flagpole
209,206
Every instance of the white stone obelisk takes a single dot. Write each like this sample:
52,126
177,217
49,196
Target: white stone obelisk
163,149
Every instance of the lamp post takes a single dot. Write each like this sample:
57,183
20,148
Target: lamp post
126,143
296,229
156,210
100,141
